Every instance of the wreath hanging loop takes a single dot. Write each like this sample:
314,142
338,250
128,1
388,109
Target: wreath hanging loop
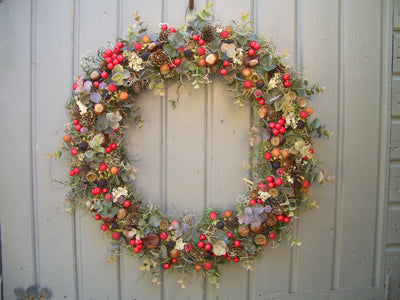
101,177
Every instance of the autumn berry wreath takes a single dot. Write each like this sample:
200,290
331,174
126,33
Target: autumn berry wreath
101,176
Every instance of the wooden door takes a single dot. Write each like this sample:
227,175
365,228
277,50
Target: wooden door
193,157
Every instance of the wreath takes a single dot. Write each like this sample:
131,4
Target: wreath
101,176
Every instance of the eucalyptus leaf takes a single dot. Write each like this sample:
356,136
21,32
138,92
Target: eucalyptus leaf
316,123
163,251
320,177
89,154
170,50
95,97
155,220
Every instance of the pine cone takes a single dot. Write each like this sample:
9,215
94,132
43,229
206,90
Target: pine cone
207,33
137,86
196,254
74,112
254,194
88,119
233,252
215,68
103,66
159,57
271,220
163,36
231,222
132,219
134,208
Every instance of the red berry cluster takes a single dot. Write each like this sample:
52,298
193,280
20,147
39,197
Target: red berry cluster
286,81
74,171
278,127
112,57
98,191
111,147
273,182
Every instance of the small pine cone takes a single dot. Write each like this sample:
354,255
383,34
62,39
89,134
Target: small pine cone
88,119
103,66
132,219
191,45
74,112
159,57
277,210
308,141
134,208
233,252
271,220
163,36
207,33
215,68
281,69
232,222
254,194
196,254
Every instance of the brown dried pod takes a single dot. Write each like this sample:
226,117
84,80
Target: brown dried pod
107,219
151,241
174,253
244,231
260,239
153,46
275,141
164,69
262,112
251,61
99,108
121,213
256,229
301,102
95,75
91,176
211,59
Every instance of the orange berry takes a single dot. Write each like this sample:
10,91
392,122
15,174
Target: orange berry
67,138
198,267
285,153
114,170
309,111
227,213
146,39
247,72
123,96
201,62
164,69
275,152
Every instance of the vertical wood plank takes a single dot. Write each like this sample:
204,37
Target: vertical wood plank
277,19
16,208
52,86
320,56
360,152
396,97
394,183
97,27
145,146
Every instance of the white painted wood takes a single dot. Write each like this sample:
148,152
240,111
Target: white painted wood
393,233
54,226
396,54
16,210
392,260
394,183
395,140
396,15
396,96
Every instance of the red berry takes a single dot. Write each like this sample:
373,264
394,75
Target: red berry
177,61
120,58
200,244
108,52
78,127
113,146
97,190
272,236
271,125
285,77
172,29
137,46
252,43
108,149
225,63
256,46
251,52
110,66
74,86
286,220
76,170
115,62
163,236
267,156
278,181
208,247
305,184
104,227
224,34
280,218
126,203
114,55
136,249
108,60
104,74
116,49
102,166
223,72
120,44
188,247
96,84
305,157
132,242
212,215
201,42
207,265
71,173
93,191
180,49
271,185
252,202
228,258
195,37
200,51
164,27
247,84
97,217
73,151
280,121
261,186
166,266
236,244
282,130
311,151
171,65
202,237
75,121
269,179
261,101
174,260
303,114
278,126
259,201
109,197
275,131
230,235
115,235
236,259
104,190
112,87
286,83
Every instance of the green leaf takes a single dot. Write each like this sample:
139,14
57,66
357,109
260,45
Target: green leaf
320,177
316,123
170,50
154,220
163,251
244,17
